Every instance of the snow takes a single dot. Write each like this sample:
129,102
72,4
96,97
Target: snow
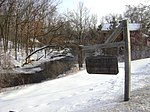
132,26
29,70
80,92
142,67
36,59
105,27
51,55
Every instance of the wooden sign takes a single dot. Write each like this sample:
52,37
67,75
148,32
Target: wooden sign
102,65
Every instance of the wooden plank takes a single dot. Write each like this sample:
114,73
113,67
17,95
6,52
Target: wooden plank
107,45
102,65
126,34
115,34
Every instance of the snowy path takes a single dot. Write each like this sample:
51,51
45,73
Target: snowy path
65,94
75,93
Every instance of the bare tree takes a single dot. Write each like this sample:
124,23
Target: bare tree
81,22
113,20
139,14
6,18
25,21
2,2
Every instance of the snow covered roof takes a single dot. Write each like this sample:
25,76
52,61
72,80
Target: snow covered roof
105,27
132,26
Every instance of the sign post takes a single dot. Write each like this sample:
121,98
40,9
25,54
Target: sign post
109,43
127,51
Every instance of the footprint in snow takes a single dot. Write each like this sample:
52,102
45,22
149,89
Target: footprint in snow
74,94
33,106
91,89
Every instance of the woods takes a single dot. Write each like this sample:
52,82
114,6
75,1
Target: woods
26,23
30,24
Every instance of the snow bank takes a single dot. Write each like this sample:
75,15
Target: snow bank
141,66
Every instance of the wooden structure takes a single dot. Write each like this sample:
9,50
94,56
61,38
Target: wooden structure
109,43
102,65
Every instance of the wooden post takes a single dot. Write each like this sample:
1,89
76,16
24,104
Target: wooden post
80,57
126,35
127,52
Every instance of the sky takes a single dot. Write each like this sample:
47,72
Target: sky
102,7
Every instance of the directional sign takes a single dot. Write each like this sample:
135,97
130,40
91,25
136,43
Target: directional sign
102,65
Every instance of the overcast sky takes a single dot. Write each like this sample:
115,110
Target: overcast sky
102,7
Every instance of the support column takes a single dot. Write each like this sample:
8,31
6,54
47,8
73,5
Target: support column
126,34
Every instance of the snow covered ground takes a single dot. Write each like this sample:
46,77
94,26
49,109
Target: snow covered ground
7,60
83,92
